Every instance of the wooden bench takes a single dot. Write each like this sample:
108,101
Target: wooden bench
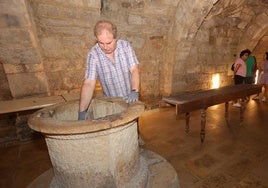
202,99
34,103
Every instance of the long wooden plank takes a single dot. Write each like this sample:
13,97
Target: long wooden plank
201,99
28,104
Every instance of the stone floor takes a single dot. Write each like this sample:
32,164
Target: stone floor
231,156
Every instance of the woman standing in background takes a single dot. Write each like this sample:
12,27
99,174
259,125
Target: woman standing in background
264,77
240,70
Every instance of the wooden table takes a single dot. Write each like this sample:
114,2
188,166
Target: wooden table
201,99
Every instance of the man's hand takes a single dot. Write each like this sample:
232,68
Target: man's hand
82,115
132,97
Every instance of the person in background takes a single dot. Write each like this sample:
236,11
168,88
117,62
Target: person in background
240,70
251,70
114,63
264,78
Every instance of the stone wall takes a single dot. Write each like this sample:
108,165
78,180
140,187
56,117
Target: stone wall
4,87
180,44
146,24
20,54
14,128
213,36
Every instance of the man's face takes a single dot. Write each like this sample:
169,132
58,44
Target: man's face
106,42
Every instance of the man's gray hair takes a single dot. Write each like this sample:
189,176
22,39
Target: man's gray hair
105,25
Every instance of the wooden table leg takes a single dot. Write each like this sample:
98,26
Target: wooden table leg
203,124
226,109
187,118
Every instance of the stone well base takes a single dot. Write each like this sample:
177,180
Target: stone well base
161,173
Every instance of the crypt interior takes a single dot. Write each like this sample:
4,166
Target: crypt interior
181,46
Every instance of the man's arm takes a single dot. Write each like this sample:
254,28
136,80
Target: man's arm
135,77
86,94
135,81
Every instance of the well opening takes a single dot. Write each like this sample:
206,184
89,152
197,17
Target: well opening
103,113
99,109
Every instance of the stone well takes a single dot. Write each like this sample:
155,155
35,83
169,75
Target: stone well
101,151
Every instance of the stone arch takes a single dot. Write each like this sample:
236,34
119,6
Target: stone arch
188,19
254,33
241,24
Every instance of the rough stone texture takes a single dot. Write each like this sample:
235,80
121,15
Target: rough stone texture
103,113
180,44
25,84
98,159
22,68
8,131
19,56
4,87
161,173
19,48
14,129
101,151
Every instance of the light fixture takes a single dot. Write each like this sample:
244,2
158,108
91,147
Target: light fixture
215,81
